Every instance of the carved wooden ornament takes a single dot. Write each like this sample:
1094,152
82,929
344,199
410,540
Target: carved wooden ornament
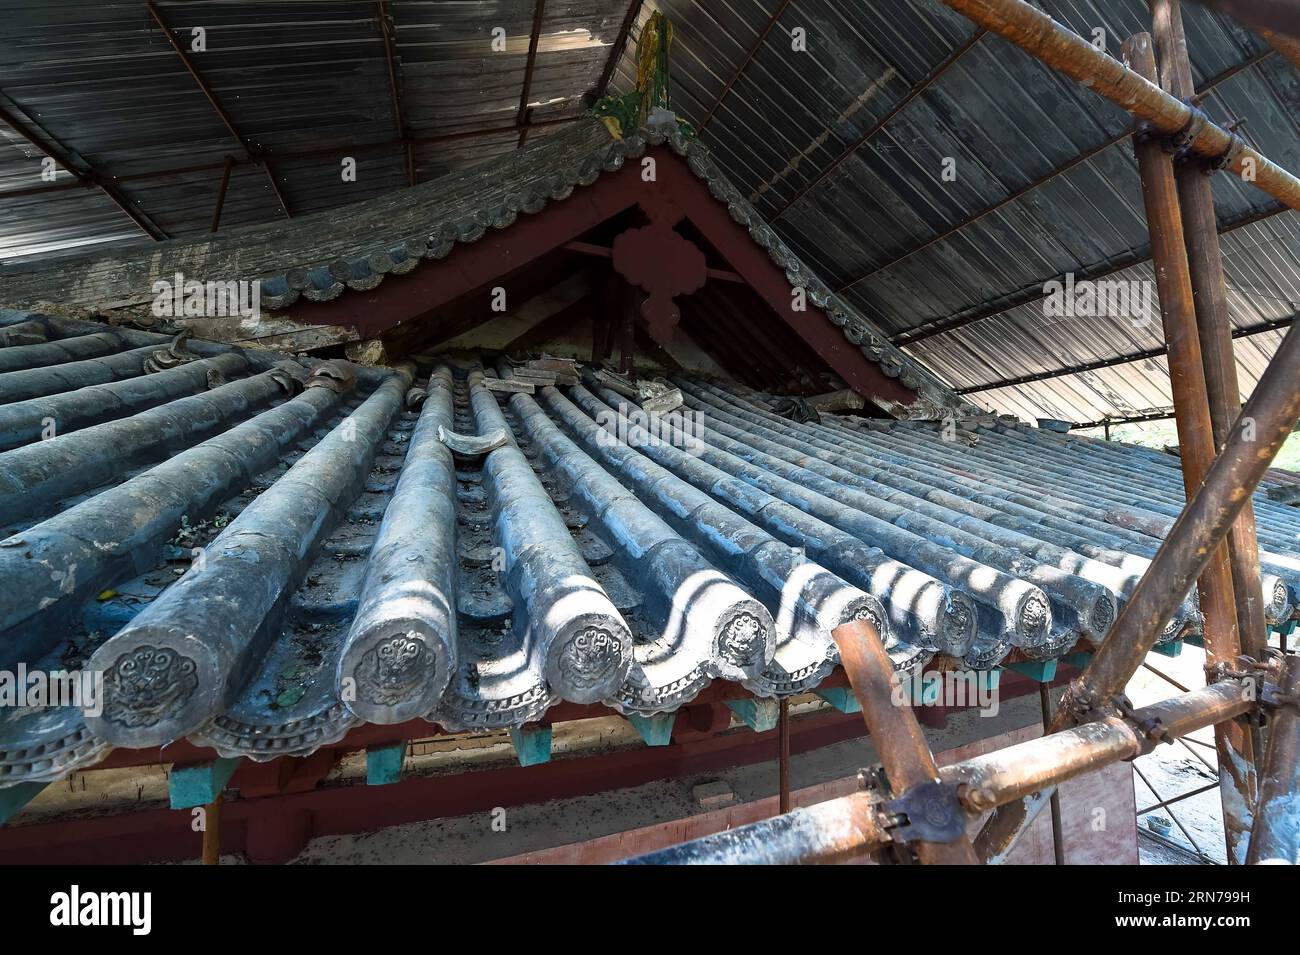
663,263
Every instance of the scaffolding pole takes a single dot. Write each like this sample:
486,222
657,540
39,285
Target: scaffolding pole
1276,836
850,826
1043,38
1192,414
1213,324
1263,425
1039,35
897,735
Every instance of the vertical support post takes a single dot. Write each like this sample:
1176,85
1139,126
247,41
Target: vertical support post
601,333
627,341
603,318
1276,836
1205,260
221,193
894,730
783,734
524,117
399,116
1195,440
212,832
1058,840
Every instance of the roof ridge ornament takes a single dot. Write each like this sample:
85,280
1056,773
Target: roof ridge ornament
652,75
649,104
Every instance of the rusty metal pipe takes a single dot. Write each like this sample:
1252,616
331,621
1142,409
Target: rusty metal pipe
1006,776
894,730
1042,37
1276,835
846,827
1196,443
1186,371
1268,419
783,755
1205,260
833,831
1058,836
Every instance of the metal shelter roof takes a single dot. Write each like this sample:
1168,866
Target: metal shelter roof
840,146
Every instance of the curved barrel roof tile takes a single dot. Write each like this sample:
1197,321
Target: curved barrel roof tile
259,555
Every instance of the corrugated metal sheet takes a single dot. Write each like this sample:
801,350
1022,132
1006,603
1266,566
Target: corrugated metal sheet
302,75
1262,290
870,225
294,77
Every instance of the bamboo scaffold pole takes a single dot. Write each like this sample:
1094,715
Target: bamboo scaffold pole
1042,37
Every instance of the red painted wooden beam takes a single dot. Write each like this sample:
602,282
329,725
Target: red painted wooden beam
605,252
279,809
432,285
